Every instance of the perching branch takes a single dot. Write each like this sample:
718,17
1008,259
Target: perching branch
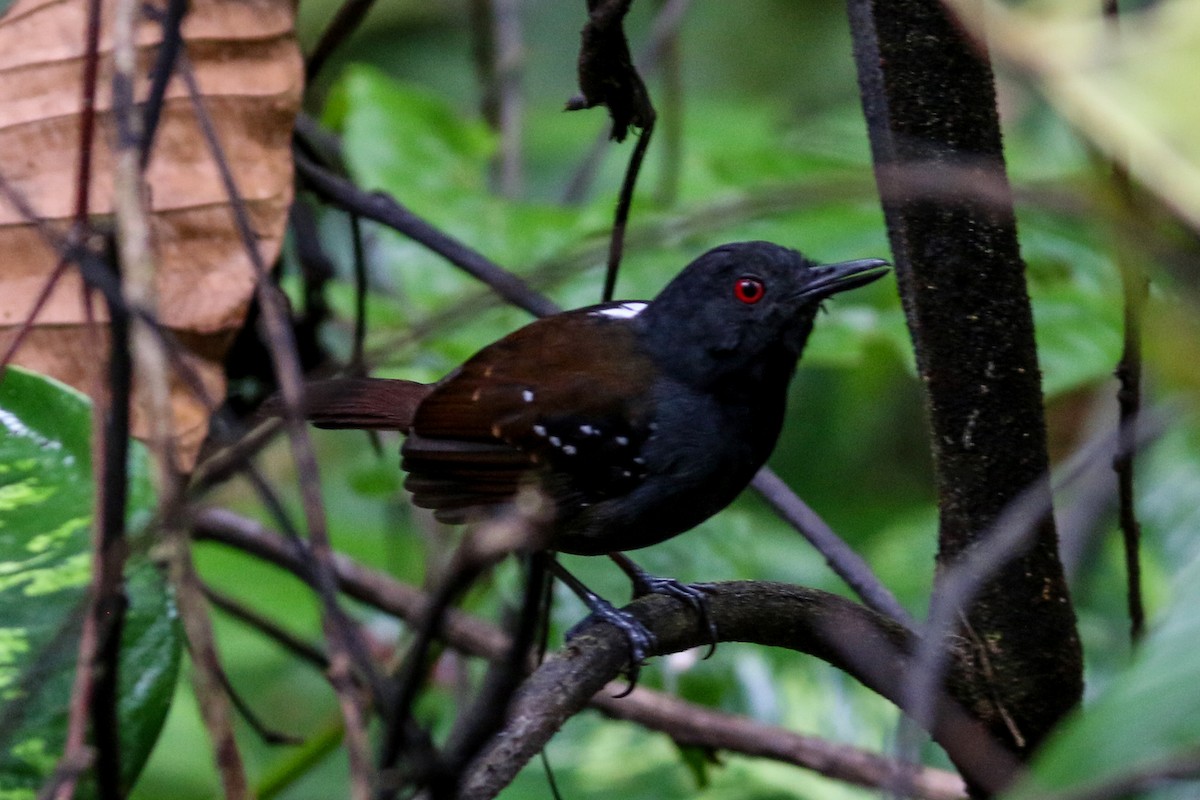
681,720
865,645
834,629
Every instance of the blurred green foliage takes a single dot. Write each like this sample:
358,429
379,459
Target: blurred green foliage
773,147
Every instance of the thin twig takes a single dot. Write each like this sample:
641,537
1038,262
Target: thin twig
308,653
487,714
76,755
67,772
482,547
1134,290
624,201
293,644
39,303
1129,399
497,50
136,271
160,76
357,365
345,648
233,457
83,177
266,733
321,145
134,145
316,270
347,19
840,556
210,697
384,209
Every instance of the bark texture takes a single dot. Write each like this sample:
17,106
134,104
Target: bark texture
929,98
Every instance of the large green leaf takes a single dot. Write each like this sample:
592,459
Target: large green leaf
45,554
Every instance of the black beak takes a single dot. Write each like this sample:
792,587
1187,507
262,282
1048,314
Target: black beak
829,279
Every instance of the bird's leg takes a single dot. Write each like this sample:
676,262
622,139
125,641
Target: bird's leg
637,635
694,594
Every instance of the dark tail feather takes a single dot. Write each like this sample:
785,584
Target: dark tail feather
378,404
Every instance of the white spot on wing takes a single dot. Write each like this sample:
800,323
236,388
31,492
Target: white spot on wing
527,396
623,311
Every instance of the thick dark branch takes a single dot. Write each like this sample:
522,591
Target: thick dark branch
929,99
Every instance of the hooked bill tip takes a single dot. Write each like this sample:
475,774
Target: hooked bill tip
830,279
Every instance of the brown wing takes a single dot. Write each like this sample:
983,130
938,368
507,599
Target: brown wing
557,402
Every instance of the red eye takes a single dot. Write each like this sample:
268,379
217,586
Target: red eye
749,290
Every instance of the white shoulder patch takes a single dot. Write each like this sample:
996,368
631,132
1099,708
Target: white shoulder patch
623,311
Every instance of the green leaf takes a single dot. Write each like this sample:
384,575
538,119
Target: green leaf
408,141
699,761
1147,717
1076,293
45,553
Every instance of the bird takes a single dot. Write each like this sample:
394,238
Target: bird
634,421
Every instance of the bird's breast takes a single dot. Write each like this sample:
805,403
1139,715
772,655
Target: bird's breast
699,454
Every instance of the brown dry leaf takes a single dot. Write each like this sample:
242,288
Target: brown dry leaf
249,69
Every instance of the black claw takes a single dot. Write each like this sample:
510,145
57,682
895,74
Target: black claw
639,638
694,594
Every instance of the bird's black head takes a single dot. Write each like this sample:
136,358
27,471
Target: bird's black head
740,305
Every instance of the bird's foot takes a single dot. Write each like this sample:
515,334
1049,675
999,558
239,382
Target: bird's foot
694,594
637,636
